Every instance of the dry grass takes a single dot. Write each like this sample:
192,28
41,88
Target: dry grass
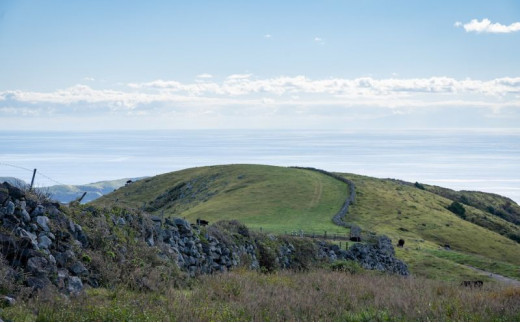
319,295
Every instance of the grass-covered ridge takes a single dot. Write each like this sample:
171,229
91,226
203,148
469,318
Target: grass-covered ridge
276,199
279,199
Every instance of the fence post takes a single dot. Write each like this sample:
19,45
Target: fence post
32,180
82,196
325,235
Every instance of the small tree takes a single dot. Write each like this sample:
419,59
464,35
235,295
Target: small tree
458,209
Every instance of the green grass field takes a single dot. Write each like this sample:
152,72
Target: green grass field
279,200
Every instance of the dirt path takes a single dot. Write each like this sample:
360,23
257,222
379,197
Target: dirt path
497,277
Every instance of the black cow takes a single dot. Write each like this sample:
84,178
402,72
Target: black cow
202,222
400,243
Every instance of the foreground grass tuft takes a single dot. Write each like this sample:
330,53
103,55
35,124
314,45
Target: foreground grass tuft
320,295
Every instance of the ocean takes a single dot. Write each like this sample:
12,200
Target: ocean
486,161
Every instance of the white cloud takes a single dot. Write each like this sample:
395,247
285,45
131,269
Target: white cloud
318,39
204,76
248,96
485,26
267,36
89,79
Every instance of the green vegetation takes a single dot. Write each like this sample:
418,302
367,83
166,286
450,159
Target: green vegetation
280,200
458,209
317,295
276,199
422,219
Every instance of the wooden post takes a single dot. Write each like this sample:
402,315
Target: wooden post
82,196
340,245
325,235
32,180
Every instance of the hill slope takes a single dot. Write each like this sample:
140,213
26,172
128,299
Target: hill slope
279,200
276,199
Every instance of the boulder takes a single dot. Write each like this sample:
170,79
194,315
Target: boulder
44,242
78,269
74,286
43,222
39,266
9,208
38,211
183,225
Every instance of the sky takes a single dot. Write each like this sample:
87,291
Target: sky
96,65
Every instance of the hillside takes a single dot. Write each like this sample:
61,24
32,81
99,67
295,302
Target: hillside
277,199
68,193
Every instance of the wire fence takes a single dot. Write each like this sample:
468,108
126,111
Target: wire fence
38,173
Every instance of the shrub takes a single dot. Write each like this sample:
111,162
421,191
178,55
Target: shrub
419,186
458,209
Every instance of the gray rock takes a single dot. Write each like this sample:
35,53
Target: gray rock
25,216
150,240
183,225
7,301
39,210
9,208
38,266
43,222
78,268
44,242
74,286
25,234
120,222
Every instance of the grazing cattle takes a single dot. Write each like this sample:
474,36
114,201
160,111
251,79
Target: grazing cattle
400,243
128,182
202,222
472,283
447,247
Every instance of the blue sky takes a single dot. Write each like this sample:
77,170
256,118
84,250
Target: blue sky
259,64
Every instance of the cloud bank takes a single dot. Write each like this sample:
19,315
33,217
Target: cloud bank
485,26
267,99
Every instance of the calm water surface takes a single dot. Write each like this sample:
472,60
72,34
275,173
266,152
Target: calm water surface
485,161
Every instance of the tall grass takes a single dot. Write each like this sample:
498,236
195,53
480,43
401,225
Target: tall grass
319,295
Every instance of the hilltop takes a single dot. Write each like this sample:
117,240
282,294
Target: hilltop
438,243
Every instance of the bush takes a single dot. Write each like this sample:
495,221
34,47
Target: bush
419,186
458,209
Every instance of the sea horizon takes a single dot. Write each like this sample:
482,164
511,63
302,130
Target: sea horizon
462,159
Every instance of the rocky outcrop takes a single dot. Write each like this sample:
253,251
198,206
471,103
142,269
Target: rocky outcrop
379,256
45,247
35,237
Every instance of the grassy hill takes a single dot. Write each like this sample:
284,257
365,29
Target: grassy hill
276,199
280,200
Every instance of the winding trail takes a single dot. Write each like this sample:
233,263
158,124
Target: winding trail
497,277
318,190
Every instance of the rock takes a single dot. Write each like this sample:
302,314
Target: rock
120,222
39,266
25,216
32,237
9,208
15,192
7,301
75,286
183,225
64,258
38,211
44,242
150,240
4,194
37,283
78,269
43,222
